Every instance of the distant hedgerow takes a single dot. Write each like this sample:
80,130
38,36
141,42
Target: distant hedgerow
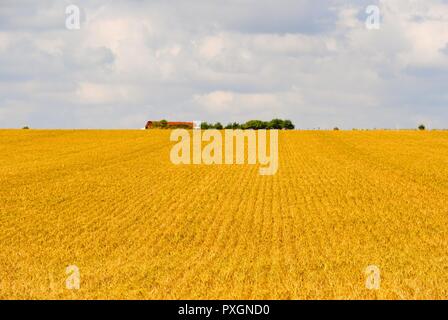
278,124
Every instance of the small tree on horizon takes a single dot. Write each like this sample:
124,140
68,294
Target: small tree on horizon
422,127
234,126
163,124
255,125
276,124
288,125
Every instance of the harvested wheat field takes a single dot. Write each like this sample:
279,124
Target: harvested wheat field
137,226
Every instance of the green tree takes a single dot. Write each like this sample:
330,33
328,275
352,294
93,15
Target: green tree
218,126
255,125
236,125
288,125
276,124
163,124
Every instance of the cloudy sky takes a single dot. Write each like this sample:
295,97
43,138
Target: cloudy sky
311,61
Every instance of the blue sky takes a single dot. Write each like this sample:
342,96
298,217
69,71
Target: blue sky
313,62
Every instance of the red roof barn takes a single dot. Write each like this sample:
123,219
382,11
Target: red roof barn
150,124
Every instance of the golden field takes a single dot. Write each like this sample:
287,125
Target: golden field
139,227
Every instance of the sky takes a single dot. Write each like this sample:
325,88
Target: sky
312,61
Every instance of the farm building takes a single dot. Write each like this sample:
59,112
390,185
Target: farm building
172,124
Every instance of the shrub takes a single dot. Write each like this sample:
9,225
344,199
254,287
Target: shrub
421,127
205,126
233,126
255,125
288,125
163,124
276,124
252,125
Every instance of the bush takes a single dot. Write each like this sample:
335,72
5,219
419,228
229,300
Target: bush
255,125
421,127
288,125
336,129
233,126
163,124
205,126
276,124
26,128
252,125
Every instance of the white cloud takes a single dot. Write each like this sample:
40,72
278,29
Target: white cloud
236,103
97,93
211,47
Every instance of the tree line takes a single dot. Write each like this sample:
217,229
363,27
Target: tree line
278,124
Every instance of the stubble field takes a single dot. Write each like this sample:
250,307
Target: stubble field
137,226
